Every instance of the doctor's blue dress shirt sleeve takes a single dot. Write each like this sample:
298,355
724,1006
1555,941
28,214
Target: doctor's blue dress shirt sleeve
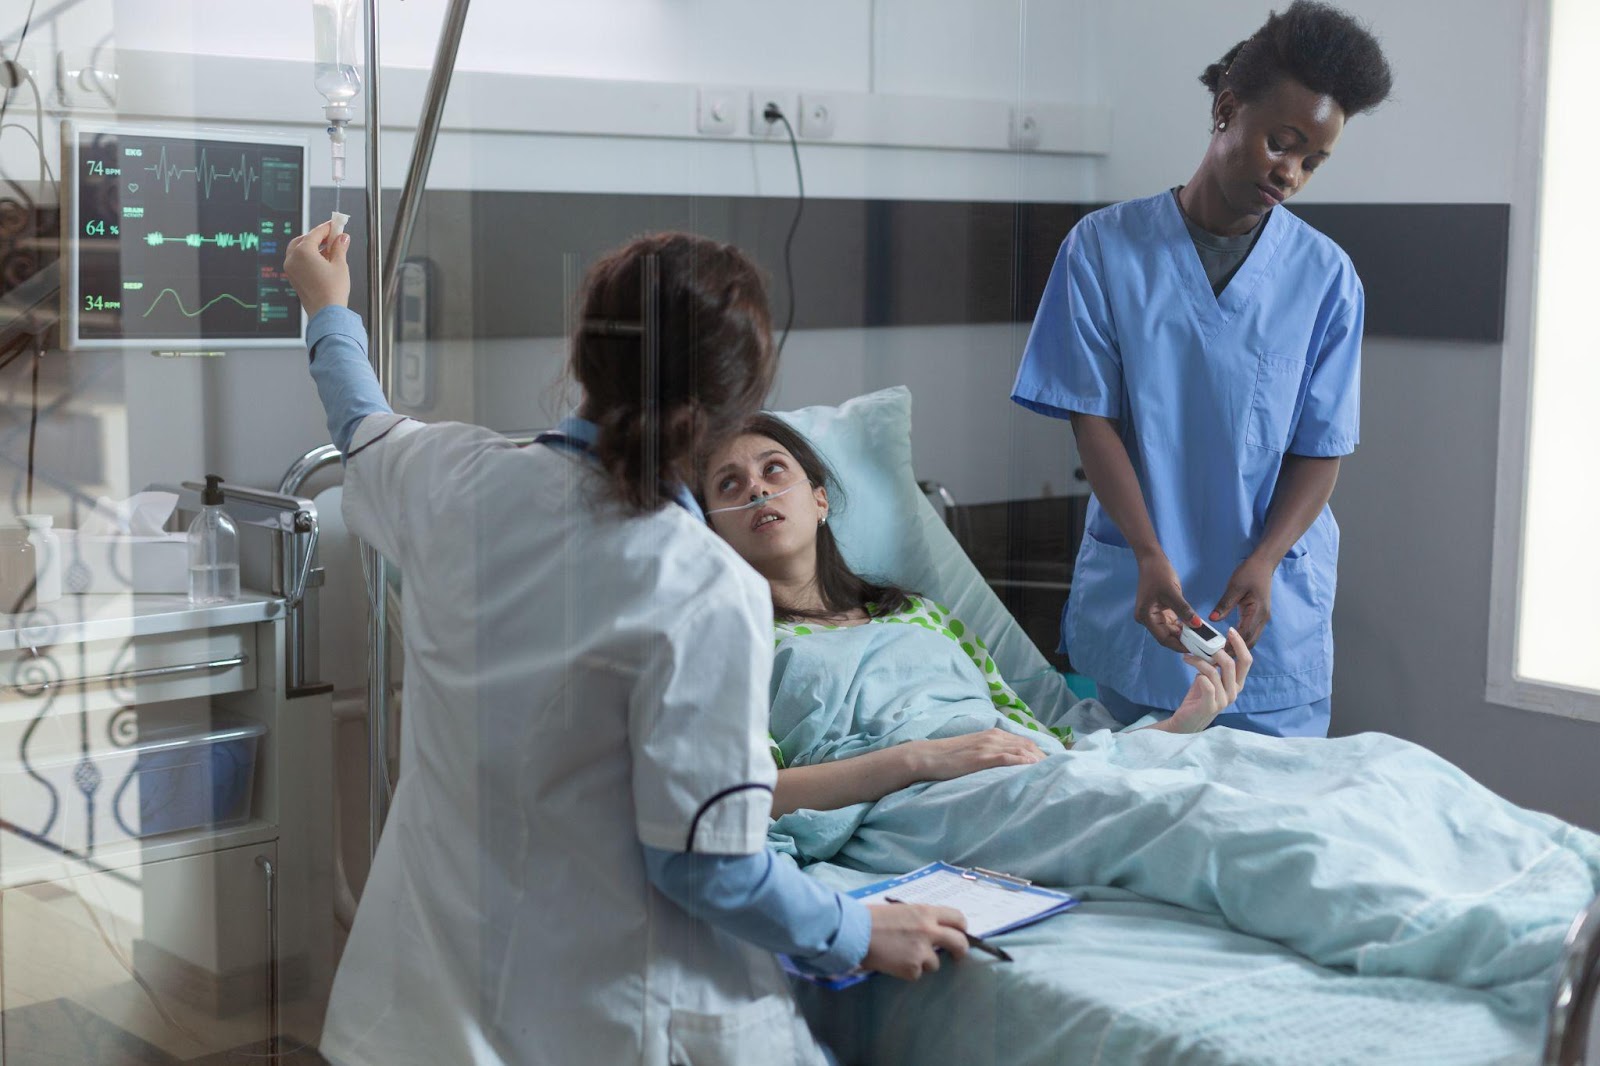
1330,417
1072,362
768,902
345,381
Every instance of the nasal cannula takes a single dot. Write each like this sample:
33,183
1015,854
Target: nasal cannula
759,501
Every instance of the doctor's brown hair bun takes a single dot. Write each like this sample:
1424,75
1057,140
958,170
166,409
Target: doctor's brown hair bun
1318,46
673,347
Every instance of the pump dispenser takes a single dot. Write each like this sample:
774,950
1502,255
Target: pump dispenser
213,550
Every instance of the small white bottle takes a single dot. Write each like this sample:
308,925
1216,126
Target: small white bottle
213,550
46,555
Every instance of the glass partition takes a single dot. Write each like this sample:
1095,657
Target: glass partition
184,798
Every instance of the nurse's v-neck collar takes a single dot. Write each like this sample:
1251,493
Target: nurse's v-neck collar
1214,310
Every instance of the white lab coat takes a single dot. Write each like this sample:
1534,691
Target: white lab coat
576,682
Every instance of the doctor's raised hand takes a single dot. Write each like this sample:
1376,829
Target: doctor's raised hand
318,268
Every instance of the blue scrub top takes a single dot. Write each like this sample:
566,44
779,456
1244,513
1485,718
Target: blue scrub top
1210,393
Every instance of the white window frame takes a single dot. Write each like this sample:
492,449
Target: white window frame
1505,686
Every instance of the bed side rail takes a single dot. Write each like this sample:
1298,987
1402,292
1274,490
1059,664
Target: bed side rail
1572,1013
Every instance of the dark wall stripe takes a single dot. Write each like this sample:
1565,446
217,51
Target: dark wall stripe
1430,270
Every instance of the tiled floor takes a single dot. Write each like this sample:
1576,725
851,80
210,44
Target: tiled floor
60,1032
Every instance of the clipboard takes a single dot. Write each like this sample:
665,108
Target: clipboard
993,902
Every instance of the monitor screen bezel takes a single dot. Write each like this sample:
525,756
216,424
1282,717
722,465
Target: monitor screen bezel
71,132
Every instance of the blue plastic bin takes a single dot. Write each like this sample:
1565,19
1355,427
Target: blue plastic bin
187,779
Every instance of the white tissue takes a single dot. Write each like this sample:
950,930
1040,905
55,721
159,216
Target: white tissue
144,514
338,218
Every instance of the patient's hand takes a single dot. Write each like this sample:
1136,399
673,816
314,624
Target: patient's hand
941,760
1216,685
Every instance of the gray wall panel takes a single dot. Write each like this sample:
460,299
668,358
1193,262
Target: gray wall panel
1430,270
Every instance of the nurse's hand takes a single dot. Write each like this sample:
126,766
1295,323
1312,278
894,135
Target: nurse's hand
906,938
1159,605
317,268
1216,685
1250,590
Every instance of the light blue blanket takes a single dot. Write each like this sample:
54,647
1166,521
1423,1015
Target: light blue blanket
1122,981
1365,853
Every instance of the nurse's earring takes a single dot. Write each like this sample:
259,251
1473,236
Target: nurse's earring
822,521
1220,127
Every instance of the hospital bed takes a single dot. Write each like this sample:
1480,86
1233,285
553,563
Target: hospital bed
1121,980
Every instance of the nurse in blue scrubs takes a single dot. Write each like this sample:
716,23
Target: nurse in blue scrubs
1206,345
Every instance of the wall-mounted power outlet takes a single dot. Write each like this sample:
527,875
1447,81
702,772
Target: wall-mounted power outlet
717,111
787,100
817,116
87,77
1024,129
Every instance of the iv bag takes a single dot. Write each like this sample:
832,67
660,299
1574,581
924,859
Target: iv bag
333,26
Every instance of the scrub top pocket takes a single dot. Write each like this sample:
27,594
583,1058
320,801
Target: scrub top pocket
1297,641
1098,630
1273,403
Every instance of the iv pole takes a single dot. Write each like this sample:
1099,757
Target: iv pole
383,271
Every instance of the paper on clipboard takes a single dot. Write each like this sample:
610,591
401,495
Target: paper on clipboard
992,904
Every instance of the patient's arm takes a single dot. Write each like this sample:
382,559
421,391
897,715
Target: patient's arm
870,777
1216,685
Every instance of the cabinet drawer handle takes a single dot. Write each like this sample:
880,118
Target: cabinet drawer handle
130,675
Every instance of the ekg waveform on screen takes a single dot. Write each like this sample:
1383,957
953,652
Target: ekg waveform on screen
205,173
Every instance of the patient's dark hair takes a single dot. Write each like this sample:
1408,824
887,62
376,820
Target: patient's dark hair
714,364
1318,46
841,588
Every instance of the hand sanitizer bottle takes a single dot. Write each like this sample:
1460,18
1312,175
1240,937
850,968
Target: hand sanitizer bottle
213,550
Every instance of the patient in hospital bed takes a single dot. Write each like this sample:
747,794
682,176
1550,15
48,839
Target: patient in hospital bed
900,743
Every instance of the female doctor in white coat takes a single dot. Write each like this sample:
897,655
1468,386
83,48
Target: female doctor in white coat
575,866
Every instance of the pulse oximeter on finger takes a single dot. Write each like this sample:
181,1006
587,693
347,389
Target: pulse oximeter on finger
1202,640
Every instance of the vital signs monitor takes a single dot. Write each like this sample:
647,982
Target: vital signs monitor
174,239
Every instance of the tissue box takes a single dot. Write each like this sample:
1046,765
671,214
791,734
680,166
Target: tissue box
120,562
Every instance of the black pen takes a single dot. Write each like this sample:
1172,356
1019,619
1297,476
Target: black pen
972,941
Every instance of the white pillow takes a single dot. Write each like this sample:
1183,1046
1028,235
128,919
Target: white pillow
888,530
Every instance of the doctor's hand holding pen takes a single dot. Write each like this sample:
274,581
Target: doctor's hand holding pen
318,268
907,937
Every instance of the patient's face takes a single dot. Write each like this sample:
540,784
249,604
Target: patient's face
779,531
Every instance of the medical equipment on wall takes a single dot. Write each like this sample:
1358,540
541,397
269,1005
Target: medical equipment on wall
1201,640
174,239
333,25
759,501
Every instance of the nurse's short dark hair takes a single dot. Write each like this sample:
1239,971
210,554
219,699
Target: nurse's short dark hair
714,359
1318,46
